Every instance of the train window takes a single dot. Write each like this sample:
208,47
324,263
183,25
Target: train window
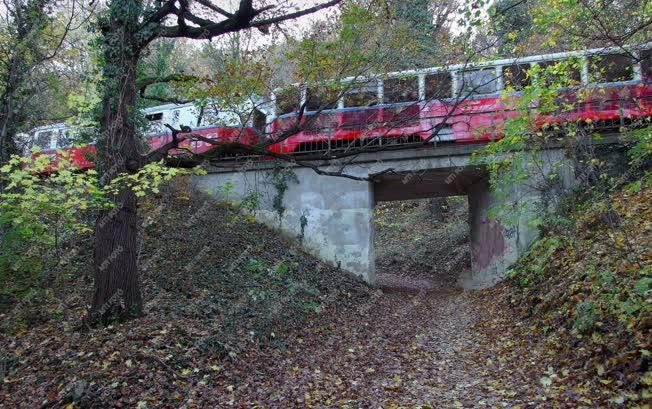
646,64
401,90
476,82
611,68
362,94
155,122
176,114
516,76
259,120
154,117
43,139
574,73
287,100
321,98
320,123
62,138
439,85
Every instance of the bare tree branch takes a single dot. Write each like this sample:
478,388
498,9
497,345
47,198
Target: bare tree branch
211,6
294,15
242,19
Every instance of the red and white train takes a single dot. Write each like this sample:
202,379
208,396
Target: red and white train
463,103
225,126
455,104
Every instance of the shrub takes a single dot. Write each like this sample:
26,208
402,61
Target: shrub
44,205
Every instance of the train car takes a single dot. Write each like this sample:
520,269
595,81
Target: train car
456,104
221,135
55,140
459,103
222,126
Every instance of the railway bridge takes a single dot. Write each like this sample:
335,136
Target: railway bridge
333,216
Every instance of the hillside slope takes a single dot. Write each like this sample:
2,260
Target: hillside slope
583,304
238,317
216,286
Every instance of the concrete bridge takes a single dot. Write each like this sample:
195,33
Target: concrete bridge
333,216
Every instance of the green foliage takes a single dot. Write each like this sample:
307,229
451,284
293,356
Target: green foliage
36,204
48,203
512,24
303,222
634,187
148,178
226,190
575,22
253,266
532,271
251,201
517,158
158,61
275,286
471,16
429,38
84,103
25,39
641,148
280,180
231,86
586,316
588,289
365,44
39,212
624,300
643,286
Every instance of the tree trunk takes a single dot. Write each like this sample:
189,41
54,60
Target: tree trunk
438,208
117,288
7,120
7,134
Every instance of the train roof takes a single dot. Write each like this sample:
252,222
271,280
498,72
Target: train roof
59,125
165,107
492,63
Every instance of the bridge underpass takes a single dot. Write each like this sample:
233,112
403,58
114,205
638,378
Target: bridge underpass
333,216
407,268
422,244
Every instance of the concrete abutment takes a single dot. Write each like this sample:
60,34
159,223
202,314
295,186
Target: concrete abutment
331,216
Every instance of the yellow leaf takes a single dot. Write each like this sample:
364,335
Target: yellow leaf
647,378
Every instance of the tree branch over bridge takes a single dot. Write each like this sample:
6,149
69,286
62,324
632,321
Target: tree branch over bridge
127,28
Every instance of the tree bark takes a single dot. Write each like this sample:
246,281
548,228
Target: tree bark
438,208
117,288
7,123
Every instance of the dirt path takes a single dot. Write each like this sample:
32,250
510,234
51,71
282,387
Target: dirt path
400,349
